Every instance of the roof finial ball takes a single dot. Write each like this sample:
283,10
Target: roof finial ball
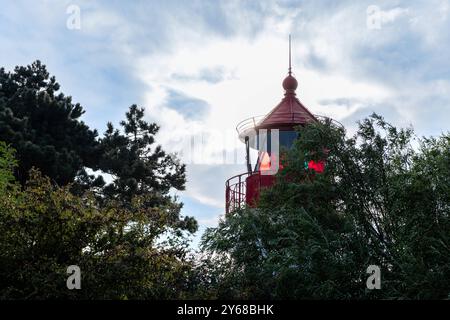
290,84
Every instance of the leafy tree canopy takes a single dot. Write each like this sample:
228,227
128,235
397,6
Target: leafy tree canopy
379,202
138,252
43,125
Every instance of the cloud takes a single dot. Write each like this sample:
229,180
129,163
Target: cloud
206,183
391,15
190,108
344,69
211,75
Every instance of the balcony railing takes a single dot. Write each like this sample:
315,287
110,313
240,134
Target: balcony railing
243,189
235,192
246,126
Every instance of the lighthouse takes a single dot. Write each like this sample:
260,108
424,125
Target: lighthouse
259,133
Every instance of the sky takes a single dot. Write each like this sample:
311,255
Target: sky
201,67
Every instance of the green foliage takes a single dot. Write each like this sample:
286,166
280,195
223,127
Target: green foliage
136,165
43,125
136,253
7,164
380,201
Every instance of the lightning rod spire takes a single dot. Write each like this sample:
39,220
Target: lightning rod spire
290,69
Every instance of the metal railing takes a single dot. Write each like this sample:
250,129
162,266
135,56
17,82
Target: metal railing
249,124
252,122
235,192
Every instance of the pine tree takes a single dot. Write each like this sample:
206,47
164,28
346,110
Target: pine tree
135,163
44,126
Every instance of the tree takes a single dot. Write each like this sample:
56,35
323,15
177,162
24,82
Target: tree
380,201
138,252
128,237
136,166
7,165
43,125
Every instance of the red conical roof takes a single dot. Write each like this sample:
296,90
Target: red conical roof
290,111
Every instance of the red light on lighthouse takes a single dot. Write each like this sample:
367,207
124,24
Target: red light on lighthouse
318,166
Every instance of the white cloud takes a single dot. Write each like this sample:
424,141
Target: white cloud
259,66
444,9
393,14
211,221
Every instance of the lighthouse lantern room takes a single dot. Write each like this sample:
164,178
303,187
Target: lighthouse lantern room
243,189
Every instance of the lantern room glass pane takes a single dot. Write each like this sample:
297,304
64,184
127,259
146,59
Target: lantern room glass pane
287,138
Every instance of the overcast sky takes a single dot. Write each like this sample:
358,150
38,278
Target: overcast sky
200,67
